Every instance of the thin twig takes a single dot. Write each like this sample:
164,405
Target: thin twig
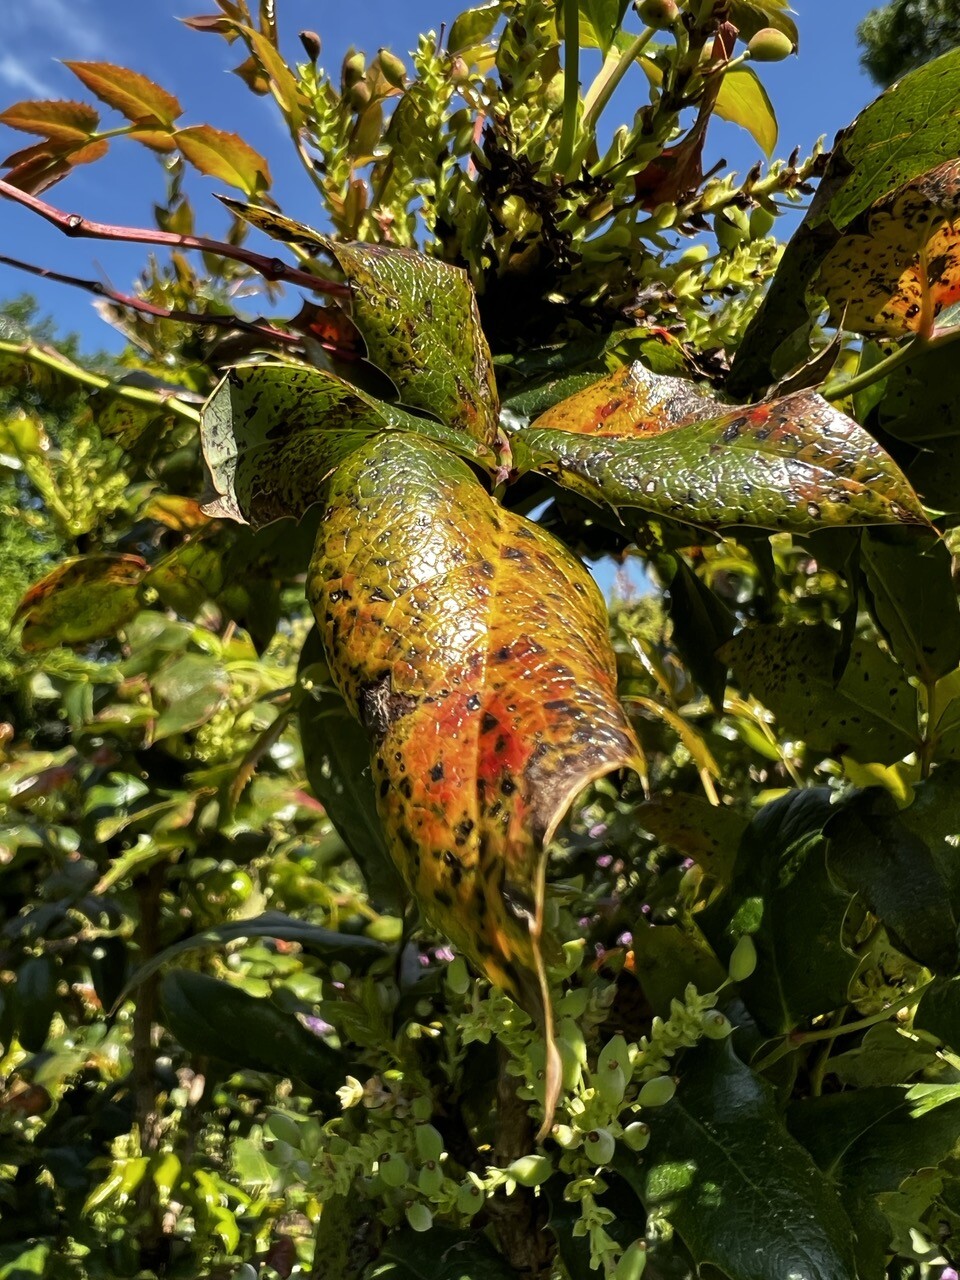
72,224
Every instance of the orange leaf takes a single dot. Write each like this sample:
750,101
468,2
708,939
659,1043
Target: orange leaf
225,156
39,167
60,120
130,93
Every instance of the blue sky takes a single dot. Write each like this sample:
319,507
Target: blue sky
814,94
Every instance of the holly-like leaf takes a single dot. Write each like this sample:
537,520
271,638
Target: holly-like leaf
129,92
225,156
273,433
640,440
782,895
474,649
743,100
870,713
61,121
743,1195
418,317
82,599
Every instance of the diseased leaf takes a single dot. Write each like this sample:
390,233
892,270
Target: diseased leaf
782,896
660,445
870,713
84,598
273,433
709,834
743,100
225,156
130,93
742,1194
913,600
62,121
418,317
474,649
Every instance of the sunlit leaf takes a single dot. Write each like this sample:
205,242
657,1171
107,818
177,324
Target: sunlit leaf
82,599
751,16
225,156
743,100
130,93
60,120
604,18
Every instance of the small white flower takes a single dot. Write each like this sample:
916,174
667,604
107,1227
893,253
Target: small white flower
351,1093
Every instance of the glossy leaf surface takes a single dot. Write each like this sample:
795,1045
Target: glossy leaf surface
639,440
132,94
83,599
744,1196
419,319
225,156
473,647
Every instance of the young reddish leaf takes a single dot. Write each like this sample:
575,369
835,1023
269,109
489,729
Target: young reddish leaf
130,93
794,463
898,265
61,121
82,599
474,649
214,22
225,156
40,167
419,319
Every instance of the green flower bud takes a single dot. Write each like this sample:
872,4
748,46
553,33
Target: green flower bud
430,1178
633,1263
657,1092
658,13
770,45
359,96
419,1217
743,959
429,1142
530,1171
611,1075
470,1198
599,1146
354,65
636,1135
716,1025
394,72
394,1170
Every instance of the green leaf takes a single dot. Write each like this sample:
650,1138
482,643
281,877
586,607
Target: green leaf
710,834
187,691
336,753
219,1020
605,18
84,598
939,1012
702,623
912,599
870,713
743,1195
225,156
887,1055
419,319
62,121
782,895
132,94
795,463
272,434
743,100
472,27
904,864
667,957
440,1254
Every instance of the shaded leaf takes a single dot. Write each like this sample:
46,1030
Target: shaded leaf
912,599
886,1055
219,1020
187,691
782,895
272,434
743,100
666,957
939,1012
71,122
225,156
708,833
336,754
132,94
701,623
869,713
743,1195
82,599
665,448
418,317
441,1254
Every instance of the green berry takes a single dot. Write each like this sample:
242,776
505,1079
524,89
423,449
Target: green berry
419,1217
658,13
599,1146
743,959
611,1073
394,1170
633,1263
636,1135
770,45
657,1092
530,1171
761,222
429,1142
716,1025
394,72
352,70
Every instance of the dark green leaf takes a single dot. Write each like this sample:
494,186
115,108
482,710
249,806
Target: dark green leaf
667,957
886,1055
939,1012
219,1020
870,713
187,691
743,1195
782,895
36,999
710,834
440,1254
701,624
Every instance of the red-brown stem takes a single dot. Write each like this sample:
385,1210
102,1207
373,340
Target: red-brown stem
72,224
151,308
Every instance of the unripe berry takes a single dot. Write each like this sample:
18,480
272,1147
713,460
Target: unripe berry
658,13
743,959
611,1076
419,1217
633,1263
657,1092
530,1171
354,65
599,1146
716,1025
770,45
359,96
637,1135
761,222
394,1170
394,72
